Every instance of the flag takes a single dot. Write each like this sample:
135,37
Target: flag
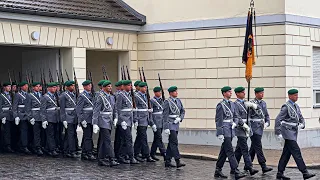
248,57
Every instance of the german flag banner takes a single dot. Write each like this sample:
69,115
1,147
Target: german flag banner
248,57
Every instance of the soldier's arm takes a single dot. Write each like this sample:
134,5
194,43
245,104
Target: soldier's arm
135,113
166,114
1,106
150,119
62,99
301,118
119,103
15,105
96,109
43,108
115,109
266,115
182,111
281,116
236,117
79,108
219,119
29,106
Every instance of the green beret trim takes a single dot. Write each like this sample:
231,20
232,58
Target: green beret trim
100,83
137,83
225,89
6,84
293,91
172,89
106,83
35,84
68,83
239,89
157,89
14,83
86,82
119,83
258,89
23,83
51,84
143,84
126,82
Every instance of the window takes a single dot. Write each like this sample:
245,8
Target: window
316,77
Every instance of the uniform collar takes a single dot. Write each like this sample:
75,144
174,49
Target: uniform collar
226,100
240,100
6,92
157,98
291,102
86,92
259,101
143,94
50,93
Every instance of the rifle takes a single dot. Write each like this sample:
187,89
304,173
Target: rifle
105,75
122,78
28,80
92,87
148,95
132,93
162,92
44,87
11,93
31,76
67,75
50,76
76,83
59,80
140,75
124,74
61,76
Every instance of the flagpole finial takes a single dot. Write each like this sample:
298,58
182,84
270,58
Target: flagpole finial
252,3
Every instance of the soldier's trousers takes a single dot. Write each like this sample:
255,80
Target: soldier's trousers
76,141
23,125
243,150
15,136
117,141
226,151
172,149
291,148
126,147
50,133
59,136
37,134
87,142
7,133
157,143
105,148
69,140
141,142
256,148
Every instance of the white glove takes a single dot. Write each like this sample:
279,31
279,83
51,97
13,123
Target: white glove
221,138
115,121
266,125
246,129
167,132
4,120
136,125
17,120
84,123
124,125
65,124
154,128
44,124
234,125
32,121
95,128
280,139
150,110
300,126
177,120
249,104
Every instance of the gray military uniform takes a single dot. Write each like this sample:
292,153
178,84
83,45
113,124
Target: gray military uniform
6,111
68,107
104,111
19,106
33,106
241,110
124,108
84,107
49,110
172,108
225,117
141,114
157,114
259,116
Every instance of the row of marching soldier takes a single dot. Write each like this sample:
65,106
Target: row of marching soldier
46,123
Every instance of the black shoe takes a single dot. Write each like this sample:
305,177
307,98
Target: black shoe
78,148
239,175
134,161
39,152
169,164
101,162
154,158
9,150
281,176
53,154
91,157
26,151
251,171
266,169
123,161
72,155
84,156
307,175
218,174
179,163
139,159
113,163
232,172
149,159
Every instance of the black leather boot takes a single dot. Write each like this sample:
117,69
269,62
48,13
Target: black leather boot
218,174
281,176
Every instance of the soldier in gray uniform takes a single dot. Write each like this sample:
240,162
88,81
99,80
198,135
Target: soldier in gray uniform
100,83
124,106
103,116
287,125
33,110
68,116
117,143
136,85
49,113
6,116
259,119
84,112
20,116
142,118
173,114
227,120
157,116
243,130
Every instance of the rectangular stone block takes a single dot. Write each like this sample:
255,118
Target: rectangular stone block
66,37
204,34
192,113
124,45
146,37
228,52
74,35
197,123
196,83
164,36
273,50
281,61
184,35
16,33
273,71
231,32
120,41
166,74
236,62
133,55
189,44
235,82
273,30
263,82
195,63
146,55
238,41
316,34
25,35
282,39
228,73
218,63
264,61
164,54
212,103
299,61
217,83
222,42
299,40
195,103
206,73
79,52
185,54
207,93
280,82
270,103
299,82
187,93
292,71
185,74
292,49
7,32
159,64
174,45
305,50
292,29
304,31
206,53
43,35
174,64
312,37
265,40
305,71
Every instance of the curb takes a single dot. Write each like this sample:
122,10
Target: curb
215,158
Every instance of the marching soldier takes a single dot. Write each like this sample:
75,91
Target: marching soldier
136,85
69,118
100,83
20,116
259,119
287,125
124,106
243,130
6,116
157,106
226,120
142,118
49,113
103,114
173,114
84,113
119,87
33,111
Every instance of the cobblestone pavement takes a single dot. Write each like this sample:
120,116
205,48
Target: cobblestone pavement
32,167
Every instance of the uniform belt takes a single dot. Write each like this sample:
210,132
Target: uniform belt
53,109
126,109
21,106
35,109
160,112
88,109
256,120
6,109
106,113
69,109
142,110
173,116
227,121
289,123
244,120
